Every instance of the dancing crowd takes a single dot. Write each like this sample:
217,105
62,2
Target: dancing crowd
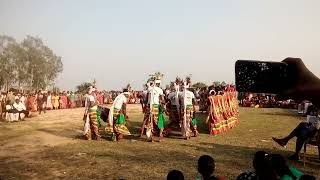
178,103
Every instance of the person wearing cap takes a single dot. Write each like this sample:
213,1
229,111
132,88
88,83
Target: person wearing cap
20,109
91,130
189,123
117,117
155,124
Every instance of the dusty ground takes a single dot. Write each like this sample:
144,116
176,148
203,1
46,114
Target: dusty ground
50,147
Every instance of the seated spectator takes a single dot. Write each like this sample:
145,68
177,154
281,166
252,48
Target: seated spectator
20,109
175,175
263,168
303,131
206,167
10,112
282,169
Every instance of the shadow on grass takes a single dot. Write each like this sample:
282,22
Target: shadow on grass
133,126
106,160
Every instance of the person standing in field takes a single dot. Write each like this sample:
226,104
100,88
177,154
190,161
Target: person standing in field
55,101
49,101
72,100
189,123
31,103
40,101
3,98
91,130
174,108
155,123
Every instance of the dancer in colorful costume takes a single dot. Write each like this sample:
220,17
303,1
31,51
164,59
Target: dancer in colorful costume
117,117
189,122
173,106
91,130
154,121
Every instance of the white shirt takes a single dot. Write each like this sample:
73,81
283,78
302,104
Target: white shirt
19,106
173,98
8,107
156,92
89,99
189,96
119,101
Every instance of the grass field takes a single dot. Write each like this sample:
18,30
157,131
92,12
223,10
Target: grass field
50,146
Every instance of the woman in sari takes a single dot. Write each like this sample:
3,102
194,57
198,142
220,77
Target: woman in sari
55,101
31,103
49,101
60,101
64,101
72,99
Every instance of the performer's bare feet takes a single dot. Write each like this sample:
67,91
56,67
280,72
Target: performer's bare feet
161,138
281,142
196,133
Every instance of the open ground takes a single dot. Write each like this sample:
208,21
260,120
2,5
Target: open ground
50,146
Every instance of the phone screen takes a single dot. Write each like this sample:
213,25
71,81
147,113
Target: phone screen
261,76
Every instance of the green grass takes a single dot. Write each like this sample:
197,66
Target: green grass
50,147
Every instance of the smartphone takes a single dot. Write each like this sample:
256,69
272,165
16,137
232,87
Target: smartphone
262,76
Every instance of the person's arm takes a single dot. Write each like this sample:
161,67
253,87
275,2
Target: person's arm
194,104
162,100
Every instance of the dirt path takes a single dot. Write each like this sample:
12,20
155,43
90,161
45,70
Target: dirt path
39,132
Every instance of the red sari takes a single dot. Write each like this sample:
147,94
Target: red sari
31,104
64,101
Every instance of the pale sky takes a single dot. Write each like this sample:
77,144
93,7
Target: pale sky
122,41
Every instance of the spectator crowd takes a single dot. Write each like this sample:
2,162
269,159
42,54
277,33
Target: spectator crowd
15,106
266,166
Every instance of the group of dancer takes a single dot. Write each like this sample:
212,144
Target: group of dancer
179,104
223,110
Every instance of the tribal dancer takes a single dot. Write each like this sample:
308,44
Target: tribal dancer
145,105
174,108
189,123
117,117
155,122
91,130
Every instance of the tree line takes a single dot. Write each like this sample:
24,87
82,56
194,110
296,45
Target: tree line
28,64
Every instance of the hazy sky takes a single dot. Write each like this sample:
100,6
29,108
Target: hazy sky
122,41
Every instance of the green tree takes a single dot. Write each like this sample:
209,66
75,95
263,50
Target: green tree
199,85
29,63
8,73
83,87
42,66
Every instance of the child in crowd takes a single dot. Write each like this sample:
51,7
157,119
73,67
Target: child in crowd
206,167
175,175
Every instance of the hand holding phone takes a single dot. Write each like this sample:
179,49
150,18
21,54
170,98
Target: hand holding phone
289,79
